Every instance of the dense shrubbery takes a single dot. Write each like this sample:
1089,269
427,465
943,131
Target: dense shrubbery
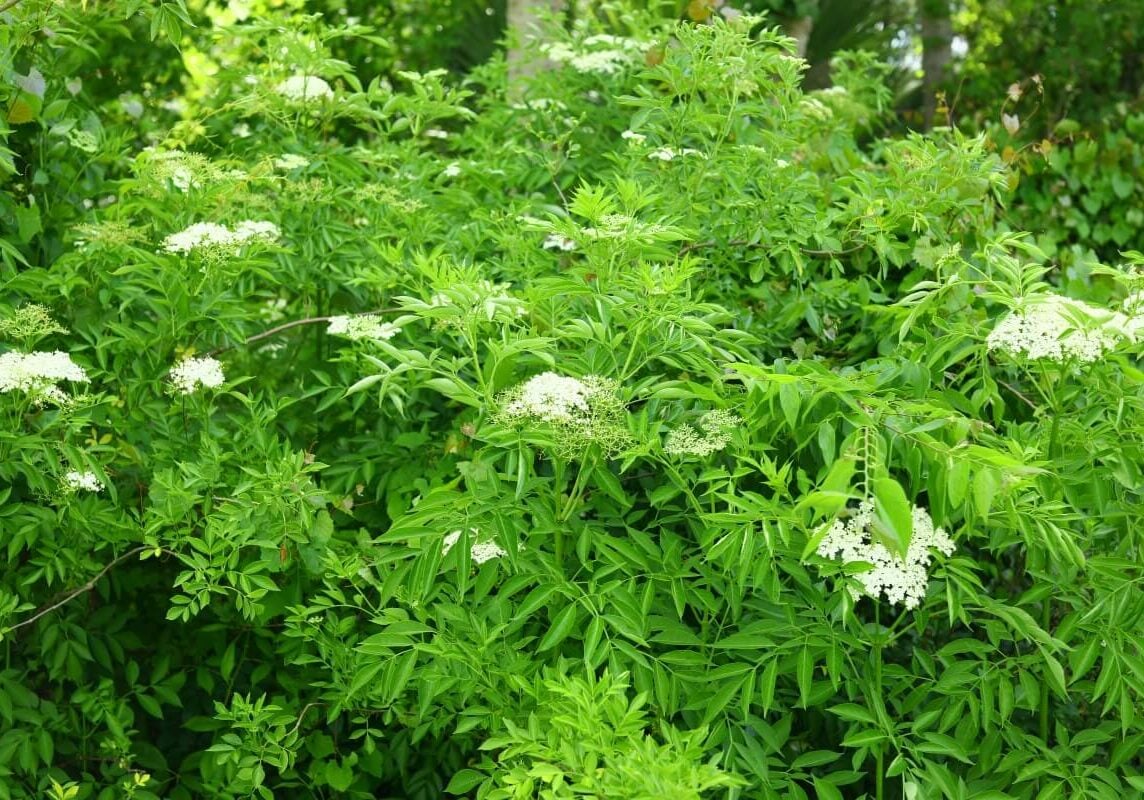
421,437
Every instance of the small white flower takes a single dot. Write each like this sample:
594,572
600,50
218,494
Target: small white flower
437,133
87,481
452,170
241,131
366,326
304,87
632,136
191,373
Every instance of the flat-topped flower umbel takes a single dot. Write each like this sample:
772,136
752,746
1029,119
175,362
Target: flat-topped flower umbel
191,373
902,580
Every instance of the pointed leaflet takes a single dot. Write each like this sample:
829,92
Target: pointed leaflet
893,522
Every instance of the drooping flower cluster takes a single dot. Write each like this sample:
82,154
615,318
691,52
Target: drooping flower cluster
1058,328
191,373
479,551
88,481
581,411
302,88
602,54
365,326
901,580
218,239
37,373
713,433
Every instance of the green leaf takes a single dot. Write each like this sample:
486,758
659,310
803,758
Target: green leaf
893,522
561,627
826,790
465,781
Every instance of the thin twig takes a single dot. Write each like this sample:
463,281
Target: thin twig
294,324
302,716
87,587
1014,390
10,4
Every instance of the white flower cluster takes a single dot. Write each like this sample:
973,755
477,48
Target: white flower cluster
191,373
220,239
633,137
436,133
37,374
551,397
301,88
479,552
581,411
366,326
554,241
74,481
902,580
1058,328
291,161
185,171
713,434
452,169
599,55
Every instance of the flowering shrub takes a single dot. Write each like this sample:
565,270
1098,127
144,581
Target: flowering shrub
645,428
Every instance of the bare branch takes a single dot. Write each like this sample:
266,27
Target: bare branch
87,587
294,324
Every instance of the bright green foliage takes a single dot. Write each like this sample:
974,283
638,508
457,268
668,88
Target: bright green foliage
458,544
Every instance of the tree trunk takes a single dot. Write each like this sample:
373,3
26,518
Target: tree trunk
524,17
937,38
800,29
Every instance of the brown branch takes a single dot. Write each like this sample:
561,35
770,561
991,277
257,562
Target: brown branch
293,324
87,587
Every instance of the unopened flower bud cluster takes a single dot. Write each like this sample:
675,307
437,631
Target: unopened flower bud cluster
902,580
712,433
